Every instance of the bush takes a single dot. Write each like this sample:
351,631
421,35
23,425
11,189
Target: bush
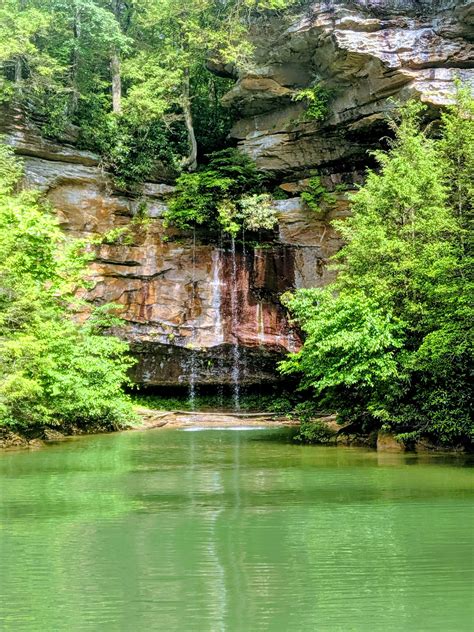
257,212
130,150
314,431
316,195
317,101
54,369
389,343
224,195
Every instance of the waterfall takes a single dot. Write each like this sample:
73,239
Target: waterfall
216,300
291,344
243,359
260,324
191,367
234,304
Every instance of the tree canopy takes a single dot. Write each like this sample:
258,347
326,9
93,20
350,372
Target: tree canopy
130,74
389,343
56,367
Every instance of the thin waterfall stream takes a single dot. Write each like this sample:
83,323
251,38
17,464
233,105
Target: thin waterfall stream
218,284
192,364
216,305
234,301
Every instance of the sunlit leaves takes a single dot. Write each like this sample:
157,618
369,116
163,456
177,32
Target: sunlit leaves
53,369
390,341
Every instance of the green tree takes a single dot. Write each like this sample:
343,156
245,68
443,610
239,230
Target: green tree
22,59
389,343
56,366
177,40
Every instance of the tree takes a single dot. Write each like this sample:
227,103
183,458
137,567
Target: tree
21,24
56,367
389,343
178,39
127,73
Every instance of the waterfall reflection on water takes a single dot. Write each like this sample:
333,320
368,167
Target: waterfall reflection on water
222,530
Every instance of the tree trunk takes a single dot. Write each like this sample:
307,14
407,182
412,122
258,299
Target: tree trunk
75,61
116,83
18,70
189,163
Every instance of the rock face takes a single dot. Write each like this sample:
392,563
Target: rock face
194,312
204,313
364,52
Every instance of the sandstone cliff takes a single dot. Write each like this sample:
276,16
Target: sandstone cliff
208,313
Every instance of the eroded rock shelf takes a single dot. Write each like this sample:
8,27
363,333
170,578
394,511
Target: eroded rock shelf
190,303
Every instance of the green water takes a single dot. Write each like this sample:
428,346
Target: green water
233,531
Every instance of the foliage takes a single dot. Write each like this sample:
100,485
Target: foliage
314,431
389,343
131,151
132,76
317,195
56,367
316,99
10,170
22,25
276,402
257,212
222,195
212,121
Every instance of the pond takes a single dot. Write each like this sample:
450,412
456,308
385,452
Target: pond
233,531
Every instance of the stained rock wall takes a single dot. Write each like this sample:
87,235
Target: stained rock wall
206,313
366,52
193,311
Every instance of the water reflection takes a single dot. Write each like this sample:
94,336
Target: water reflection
223,531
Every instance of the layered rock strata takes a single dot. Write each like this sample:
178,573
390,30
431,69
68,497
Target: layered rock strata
367,54
191,309
198,312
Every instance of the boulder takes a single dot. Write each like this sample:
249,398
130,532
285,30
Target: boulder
386,442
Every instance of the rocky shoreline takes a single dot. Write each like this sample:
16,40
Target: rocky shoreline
149,419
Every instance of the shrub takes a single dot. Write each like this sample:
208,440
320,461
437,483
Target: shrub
314,431
257,212
317,101
55,367
129,150
317,194
222,195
